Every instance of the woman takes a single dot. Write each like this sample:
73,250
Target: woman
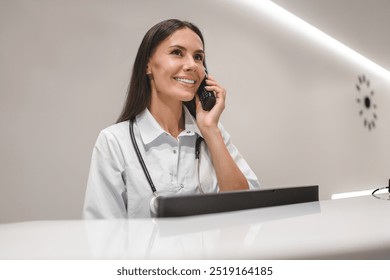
168,70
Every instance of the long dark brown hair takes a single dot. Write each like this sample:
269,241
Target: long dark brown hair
139,91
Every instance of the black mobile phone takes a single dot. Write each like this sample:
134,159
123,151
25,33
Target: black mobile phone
207,98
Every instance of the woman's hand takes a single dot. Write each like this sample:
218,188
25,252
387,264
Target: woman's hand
209,119
229,176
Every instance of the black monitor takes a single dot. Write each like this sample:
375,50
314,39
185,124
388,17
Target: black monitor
187,205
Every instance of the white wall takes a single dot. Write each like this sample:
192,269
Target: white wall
64,71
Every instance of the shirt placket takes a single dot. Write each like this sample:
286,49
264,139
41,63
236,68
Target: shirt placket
182,165
175,165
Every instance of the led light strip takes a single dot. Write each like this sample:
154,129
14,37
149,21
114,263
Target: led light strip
292,21
355,194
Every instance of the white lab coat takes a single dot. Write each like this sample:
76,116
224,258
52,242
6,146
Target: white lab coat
117,186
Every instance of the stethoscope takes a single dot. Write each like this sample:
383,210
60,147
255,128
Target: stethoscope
153,202
383,197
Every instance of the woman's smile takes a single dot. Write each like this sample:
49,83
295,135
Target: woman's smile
185,81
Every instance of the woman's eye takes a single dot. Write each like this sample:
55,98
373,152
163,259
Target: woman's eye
199,57
177,52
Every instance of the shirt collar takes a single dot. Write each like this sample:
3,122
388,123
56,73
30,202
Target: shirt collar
150,129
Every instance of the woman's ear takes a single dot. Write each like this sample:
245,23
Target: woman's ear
148,70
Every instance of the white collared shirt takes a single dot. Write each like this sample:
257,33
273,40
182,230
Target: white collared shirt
117,186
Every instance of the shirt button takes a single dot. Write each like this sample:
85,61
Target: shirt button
174,151
188,132
181,186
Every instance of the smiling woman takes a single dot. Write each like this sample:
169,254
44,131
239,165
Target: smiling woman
167,125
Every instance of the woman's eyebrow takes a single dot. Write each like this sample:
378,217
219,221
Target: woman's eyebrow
184,49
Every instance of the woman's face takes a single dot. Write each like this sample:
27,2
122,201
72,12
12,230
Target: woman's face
176,66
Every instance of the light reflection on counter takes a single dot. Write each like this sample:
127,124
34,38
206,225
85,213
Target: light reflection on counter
226,235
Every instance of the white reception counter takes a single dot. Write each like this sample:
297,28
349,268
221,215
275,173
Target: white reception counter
354,228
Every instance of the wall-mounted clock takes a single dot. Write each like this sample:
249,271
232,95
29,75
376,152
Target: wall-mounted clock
366,102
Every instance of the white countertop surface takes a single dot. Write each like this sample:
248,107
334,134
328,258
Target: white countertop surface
353,228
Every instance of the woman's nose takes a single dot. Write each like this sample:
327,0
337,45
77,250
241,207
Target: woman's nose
190,64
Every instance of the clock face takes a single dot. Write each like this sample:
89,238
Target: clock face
367,106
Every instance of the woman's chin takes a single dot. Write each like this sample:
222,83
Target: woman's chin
188,97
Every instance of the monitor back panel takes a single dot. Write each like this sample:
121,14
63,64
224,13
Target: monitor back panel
177,206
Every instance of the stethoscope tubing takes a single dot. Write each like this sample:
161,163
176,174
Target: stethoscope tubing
140,158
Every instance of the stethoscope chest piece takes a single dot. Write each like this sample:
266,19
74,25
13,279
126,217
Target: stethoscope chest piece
153,205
